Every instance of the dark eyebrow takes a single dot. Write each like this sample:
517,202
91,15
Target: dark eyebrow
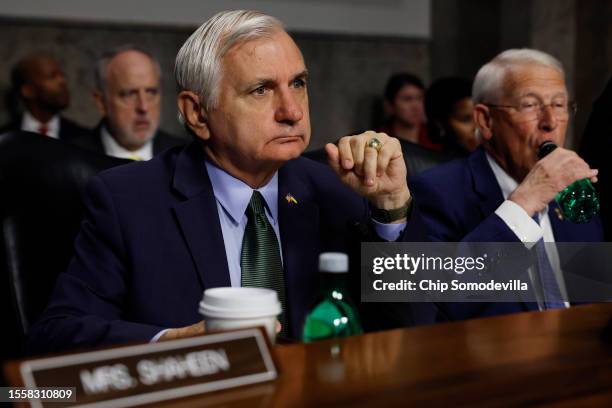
128,90
301,75
268,82
261,82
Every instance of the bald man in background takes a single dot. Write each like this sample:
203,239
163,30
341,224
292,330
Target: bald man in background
39,82
128,96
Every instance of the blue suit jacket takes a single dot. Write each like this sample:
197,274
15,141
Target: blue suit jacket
151,242
457,202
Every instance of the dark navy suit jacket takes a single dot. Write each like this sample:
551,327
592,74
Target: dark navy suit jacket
68,130
151,242
92,140
457,202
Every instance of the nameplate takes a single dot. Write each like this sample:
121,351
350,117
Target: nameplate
143,374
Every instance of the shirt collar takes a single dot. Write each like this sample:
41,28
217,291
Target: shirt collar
234,195
505,181
112,148
30,124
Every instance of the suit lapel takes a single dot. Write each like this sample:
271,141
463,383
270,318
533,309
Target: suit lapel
159,143
563,230
63,132
97,142
299,229
198,218
484,183
487,188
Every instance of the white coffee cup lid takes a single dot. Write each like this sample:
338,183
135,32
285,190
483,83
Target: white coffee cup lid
239,303
336,262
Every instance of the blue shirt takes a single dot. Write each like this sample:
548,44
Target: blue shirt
233,196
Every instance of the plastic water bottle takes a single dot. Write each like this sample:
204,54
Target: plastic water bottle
578,201
334,314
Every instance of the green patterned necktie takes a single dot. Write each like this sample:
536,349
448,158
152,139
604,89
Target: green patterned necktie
260,259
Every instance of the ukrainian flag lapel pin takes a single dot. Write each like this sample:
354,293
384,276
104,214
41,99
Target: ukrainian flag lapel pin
290,199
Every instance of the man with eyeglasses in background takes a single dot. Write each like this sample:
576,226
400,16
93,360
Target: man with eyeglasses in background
503,192
128,96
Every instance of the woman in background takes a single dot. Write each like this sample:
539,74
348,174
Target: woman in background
449,109
404,110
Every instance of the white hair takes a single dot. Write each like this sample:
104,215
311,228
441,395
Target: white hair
198,62
490,78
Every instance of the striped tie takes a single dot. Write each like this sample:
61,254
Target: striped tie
260,259
550,288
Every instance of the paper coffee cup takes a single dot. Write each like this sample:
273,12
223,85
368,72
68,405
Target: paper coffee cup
231,308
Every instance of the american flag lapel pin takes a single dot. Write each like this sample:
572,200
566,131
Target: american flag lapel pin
290,199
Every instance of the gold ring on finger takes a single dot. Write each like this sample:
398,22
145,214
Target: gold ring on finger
375,144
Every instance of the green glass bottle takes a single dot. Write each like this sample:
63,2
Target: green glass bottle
334,313
578,201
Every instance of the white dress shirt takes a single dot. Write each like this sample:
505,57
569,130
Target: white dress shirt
112,148
30,124
527,230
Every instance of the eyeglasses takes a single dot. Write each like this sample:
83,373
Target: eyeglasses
532,109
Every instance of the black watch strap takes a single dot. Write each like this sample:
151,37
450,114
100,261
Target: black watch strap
388,216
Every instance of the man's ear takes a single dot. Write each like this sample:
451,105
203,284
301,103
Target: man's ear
193,114
483,120
99,102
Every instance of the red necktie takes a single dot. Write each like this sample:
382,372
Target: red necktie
43,129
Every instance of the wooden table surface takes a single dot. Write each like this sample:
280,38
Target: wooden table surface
539,358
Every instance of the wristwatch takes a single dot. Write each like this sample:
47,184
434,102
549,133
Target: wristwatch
388,216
